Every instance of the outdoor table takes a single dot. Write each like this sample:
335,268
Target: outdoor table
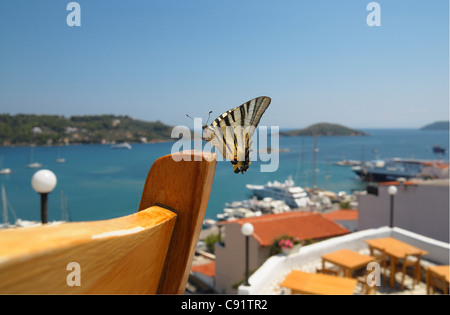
348,260
315,283
395,249
441,272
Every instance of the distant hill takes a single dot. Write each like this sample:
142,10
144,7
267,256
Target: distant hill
325,129
438,125
22,129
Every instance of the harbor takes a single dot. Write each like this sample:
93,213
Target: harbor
171,148
117,175
280,197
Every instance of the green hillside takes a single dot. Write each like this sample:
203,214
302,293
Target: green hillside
324,129
438,125
51,129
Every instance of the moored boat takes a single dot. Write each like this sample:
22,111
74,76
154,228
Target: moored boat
395,168
294,196
124,145
438,149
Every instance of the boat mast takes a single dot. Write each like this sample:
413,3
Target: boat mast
300,163
327,177
4,205
315,157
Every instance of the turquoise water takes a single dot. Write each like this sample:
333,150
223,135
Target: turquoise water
102,183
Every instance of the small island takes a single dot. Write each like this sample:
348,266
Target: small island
325,129
438,125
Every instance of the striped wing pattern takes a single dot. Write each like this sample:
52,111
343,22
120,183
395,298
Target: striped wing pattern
231,133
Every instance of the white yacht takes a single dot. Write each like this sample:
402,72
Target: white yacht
123,145
32,164
252,208
5,171
293,196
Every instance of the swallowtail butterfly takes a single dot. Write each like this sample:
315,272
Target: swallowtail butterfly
231,133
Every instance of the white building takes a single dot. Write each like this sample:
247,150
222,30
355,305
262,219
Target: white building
230,256
267,278
420,207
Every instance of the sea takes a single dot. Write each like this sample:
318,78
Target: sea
97,182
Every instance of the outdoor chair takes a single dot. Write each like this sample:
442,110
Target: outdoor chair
409,262
329,271
361,276
437,277
382,259
147,252
439,282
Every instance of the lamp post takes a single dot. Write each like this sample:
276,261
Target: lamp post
43,182
392,190
247,230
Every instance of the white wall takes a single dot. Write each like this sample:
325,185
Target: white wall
230,259
423,209
276,266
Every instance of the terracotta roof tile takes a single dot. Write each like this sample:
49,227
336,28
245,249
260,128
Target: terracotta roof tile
208,269
396,183
304,225
342,215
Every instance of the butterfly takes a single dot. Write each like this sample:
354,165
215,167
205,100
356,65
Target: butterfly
231,133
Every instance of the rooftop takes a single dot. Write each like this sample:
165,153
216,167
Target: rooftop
267,279
419,289
208,269
434,182
342,215
303,225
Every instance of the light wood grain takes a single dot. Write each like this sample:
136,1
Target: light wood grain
147,252
184,186
396,250
348,260
438,276
124,255
315,283
394,247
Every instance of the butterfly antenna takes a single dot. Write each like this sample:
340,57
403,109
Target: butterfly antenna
209,115
192,118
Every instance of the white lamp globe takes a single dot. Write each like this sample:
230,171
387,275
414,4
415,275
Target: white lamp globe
392,190
43,181
247,229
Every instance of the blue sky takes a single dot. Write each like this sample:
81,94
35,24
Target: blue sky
160,60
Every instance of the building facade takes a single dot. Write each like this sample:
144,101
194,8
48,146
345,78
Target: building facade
230,255
419,207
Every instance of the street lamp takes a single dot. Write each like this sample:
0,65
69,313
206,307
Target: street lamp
392,190
247,230
43,182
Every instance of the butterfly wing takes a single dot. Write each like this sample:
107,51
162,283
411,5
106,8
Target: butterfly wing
231,133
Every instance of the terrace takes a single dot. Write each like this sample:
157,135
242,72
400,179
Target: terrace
269,277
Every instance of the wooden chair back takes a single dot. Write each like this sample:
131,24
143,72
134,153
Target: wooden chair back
410,260
437,277
144,253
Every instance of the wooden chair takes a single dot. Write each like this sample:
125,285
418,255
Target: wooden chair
147,252
437,279
361,276
407,262
381,258
329,271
